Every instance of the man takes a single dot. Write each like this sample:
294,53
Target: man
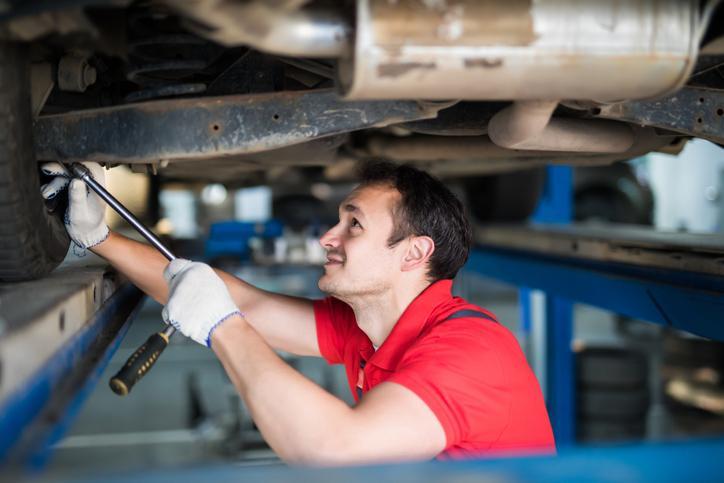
432,374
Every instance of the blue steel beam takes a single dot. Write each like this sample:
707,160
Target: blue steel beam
556,206
680,300
560,373
38,414
556,203
693,461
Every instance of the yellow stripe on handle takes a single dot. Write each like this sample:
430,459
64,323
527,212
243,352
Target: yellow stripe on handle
139,364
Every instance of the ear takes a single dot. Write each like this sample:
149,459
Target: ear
418,253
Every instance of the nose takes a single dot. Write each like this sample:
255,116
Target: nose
330,239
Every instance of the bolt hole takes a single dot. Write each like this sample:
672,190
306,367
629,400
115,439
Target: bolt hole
61,321
720,112
699,120
275,117
701,100
215,127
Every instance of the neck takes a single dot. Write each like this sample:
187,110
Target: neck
377,314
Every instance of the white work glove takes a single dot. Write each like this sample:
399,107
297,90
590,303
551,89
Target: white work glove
198,300
84,219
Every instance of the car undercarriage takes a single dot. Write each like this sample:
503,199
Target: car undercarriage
275,91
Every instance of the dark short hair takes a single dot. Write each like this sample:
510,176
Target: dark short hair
426,208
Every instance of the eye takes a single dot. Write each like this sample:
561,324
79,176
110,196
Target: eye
355,224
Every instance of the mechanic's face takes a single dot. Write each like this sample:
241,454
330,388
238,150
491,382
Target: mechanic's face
359,262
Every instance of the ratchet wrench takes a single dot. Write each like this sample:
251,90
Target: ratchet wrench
143,359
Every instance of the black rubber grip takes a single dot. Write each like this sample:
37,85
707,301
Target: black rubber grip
138,364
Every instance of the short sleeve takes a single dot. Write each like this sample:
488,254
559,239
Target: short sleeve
335,321
456,371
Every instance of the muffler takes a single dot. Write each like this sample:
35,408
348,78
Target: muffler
601,50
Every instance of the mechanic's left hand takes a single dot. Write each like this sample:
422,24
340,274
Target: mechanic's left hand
84,218
198,300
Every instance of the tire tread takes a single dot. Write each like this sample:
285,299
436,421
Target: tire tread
32,242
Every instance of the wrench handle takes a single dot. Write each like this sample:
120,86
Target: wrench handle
140,362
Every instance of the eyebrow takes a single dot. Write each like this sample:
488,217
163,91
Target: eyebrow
352,208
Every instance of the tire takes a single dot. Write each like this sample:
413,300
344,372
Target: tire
606,431
298,211
613,405
611,368
32,241
606,205
505,197
612,193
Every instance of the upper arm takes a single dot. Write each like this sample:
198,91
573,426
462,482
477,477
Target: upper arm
391,423
286,323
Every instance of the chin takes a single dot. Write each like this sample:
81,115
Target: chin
330,288
325,285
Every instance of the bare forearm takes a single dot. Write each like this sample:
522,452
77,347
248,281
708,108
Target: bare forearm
141,263
286,323
274,393
144,266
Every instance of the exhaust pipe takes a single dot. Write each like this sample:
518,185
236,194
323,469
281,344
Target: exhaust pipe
281,27
529,125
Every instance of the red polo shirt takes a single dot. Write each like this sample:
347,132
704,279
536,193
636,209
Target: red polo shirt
470,371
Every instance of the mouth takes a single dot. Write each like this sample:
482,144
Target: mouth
331,261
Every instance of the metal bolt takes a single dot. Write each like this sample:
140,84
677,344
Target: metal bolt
75,74
89,75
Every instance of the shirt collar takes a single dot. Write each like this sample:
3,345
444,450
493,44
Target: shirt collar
410,324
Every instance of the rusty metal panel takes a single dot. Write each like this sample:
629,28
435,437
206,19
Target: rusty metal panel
436,23
212,127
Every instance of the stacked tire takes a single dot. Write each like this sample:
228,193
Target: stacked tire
613,395
504,197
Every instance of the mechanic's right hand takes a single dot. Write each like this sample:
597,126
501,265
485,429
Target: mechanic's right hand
84,218
198,300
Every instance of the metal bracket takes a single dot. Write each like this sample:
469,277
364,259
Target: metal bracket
691,110
41,84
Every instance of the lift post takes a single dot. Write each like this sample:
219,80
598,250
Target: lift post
552,325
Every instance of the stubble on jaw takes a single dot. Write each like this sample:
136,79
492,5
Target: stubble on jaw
350,291
330,287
